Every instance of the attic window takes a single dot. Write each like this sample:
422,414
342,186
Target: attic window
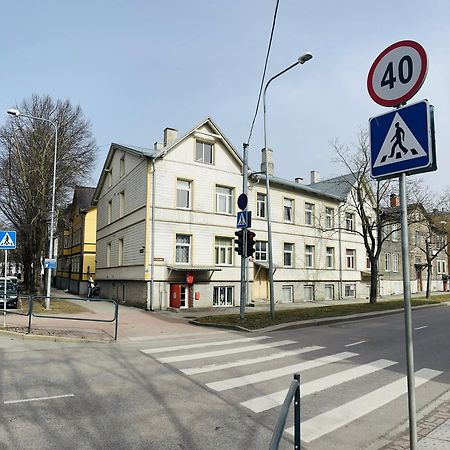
122,166
204,152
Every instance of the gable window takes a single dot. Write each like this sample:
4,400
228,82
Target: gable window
109,176
350,258
350,221
108,254
224,250
288,256
109,212
122,166
121,204
204,152
260,205
183,194
309,256
309,213
329,218
183,249
288,210
330,258
120,253
261,251
224,200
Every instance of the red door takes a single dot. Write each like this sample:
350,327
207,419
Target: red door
175,295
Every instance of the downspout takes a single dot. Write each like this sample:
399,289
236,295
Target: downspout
340,252
152,246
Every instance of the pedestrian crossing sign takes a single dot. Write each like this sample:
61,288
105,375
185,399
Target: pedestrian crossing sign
244,219
7,240
402,141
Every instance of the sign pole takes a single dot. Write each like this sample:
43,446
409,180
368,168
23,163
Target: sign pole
408,318
243,298
4,291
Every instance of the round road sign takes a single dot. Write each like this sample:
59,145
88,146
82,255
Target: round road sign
397,73
242,201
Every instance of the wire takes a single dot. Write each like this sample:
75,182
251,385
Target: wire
264,72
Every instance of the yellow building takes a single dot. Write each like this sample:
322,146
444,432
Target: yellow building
77,243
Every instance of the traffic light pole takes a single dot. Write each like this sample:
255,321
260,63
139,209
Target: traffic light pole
244,272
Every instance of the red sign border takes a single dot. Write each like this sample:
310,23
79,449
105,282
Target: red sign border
417,85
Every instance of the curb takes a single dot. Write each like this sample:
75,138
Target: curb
43,337
314,322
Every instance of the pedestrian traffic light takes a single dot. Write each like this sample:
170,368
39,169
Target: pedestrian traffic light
239,242
250,243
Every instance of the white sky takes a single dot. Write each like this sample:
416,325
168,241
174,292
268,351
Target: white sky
136,67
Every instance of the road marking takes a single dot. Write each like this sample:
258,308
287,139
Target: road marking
421,328
266,402
331,420
200,345
231,383
225,351
170,336
246,362
36,399
355,343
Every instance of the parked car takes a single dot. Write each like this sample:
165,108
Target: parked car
11,294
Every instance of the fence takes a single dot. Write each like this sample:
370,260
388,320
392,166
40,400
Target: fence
293,393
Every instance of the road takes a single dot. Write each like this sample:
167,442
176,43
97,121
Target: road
220,389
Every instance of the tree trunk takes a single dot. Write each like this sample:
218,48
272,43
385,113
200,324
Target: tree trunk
428,294
373,281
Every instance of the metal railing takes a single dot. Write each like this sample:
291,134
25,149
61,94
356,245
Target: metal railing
292,394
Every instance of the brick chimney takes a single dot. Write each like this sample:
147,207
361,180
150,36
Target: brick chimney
315,176
170,136
394,200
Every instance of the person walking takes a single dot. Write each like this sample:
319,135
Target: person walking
91,287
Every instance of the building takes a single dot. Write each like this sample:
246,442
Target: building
167,217
77,242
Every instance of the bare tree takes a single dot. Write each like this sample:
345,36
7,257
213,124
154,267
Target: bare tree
26,171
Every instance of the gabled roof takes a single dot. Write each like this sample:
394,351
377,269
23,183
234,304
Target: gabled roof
83,196
339,186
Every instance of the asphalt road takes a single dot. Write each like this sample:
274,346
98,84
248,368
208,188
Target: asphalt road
214,392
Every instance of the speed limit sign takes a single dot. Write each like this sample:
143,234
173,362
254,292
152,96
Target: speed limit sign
397,73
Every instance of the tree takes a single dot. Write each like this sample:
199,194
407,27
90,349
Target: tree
26,171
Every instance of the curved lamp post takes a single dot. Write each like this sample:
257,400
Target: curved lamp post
17,113
303,58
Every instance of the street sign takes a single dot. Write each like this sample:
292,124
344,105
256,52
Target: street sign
7,240
403,141
244,219
49,263
242,201
397,73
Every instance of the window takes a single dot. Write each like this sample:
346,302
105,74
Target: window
350,258
309,256
329,218
121,204
183,249
223,296
288,255
387,262
395,259
108,254
330,258
109,211
417,237
183,194
287,293
350,290
224,200
109,176
329,292
120,253
288,210
368,263
394,235
309,293
204,152
309,213
261,251
260,205
122,166
350,221
224,250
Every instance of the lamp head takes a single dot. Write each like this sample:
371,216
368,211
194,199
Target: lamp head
305,57
13,112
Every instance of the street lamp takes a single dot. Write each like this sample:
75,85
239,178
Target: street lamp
17,113
303,58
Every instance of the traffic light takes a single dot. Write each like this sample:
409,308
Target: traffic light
239,242
250,243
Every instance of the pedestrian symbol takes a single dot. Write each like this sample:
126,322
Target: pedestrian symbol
244,219
7,240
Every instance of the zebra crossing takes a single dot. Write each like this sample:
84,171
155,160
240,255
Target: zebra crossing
264,365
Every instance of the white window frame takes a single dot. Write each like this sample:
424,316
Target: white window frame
122,166
308,292
329,288
204,152
121,204
288,210
284,289
184,192
223,296
223,251
260,205
109,212
224,194
120,253
309,213
329,258
350,258
329,218
350,221
309,256
183,245
261,251
350,290
387,262
395,262
108,254
288,252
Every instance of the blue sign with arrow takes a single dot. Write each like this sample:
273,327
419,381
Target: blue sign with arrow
403,141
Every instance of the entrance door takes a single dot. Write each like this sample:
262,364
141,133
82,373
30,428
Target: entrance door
261,283
184,296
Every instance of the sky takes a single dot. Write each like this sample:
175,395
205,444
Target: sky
138,66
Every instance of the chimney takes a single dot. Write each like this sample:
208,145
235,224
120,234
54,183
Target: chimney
269,161
157,146
170,136
394,200
299,180
315,176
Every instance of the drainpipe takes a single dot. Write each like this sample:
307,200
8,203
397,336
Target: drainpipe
340,252
152,245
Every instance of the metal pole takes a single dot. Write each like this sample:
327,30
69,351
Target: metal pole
408,318
297,441
269,221
243,299
4,290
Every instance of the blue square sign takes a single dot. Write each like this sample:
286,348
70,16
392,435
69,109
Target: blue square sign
402,141
7,240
